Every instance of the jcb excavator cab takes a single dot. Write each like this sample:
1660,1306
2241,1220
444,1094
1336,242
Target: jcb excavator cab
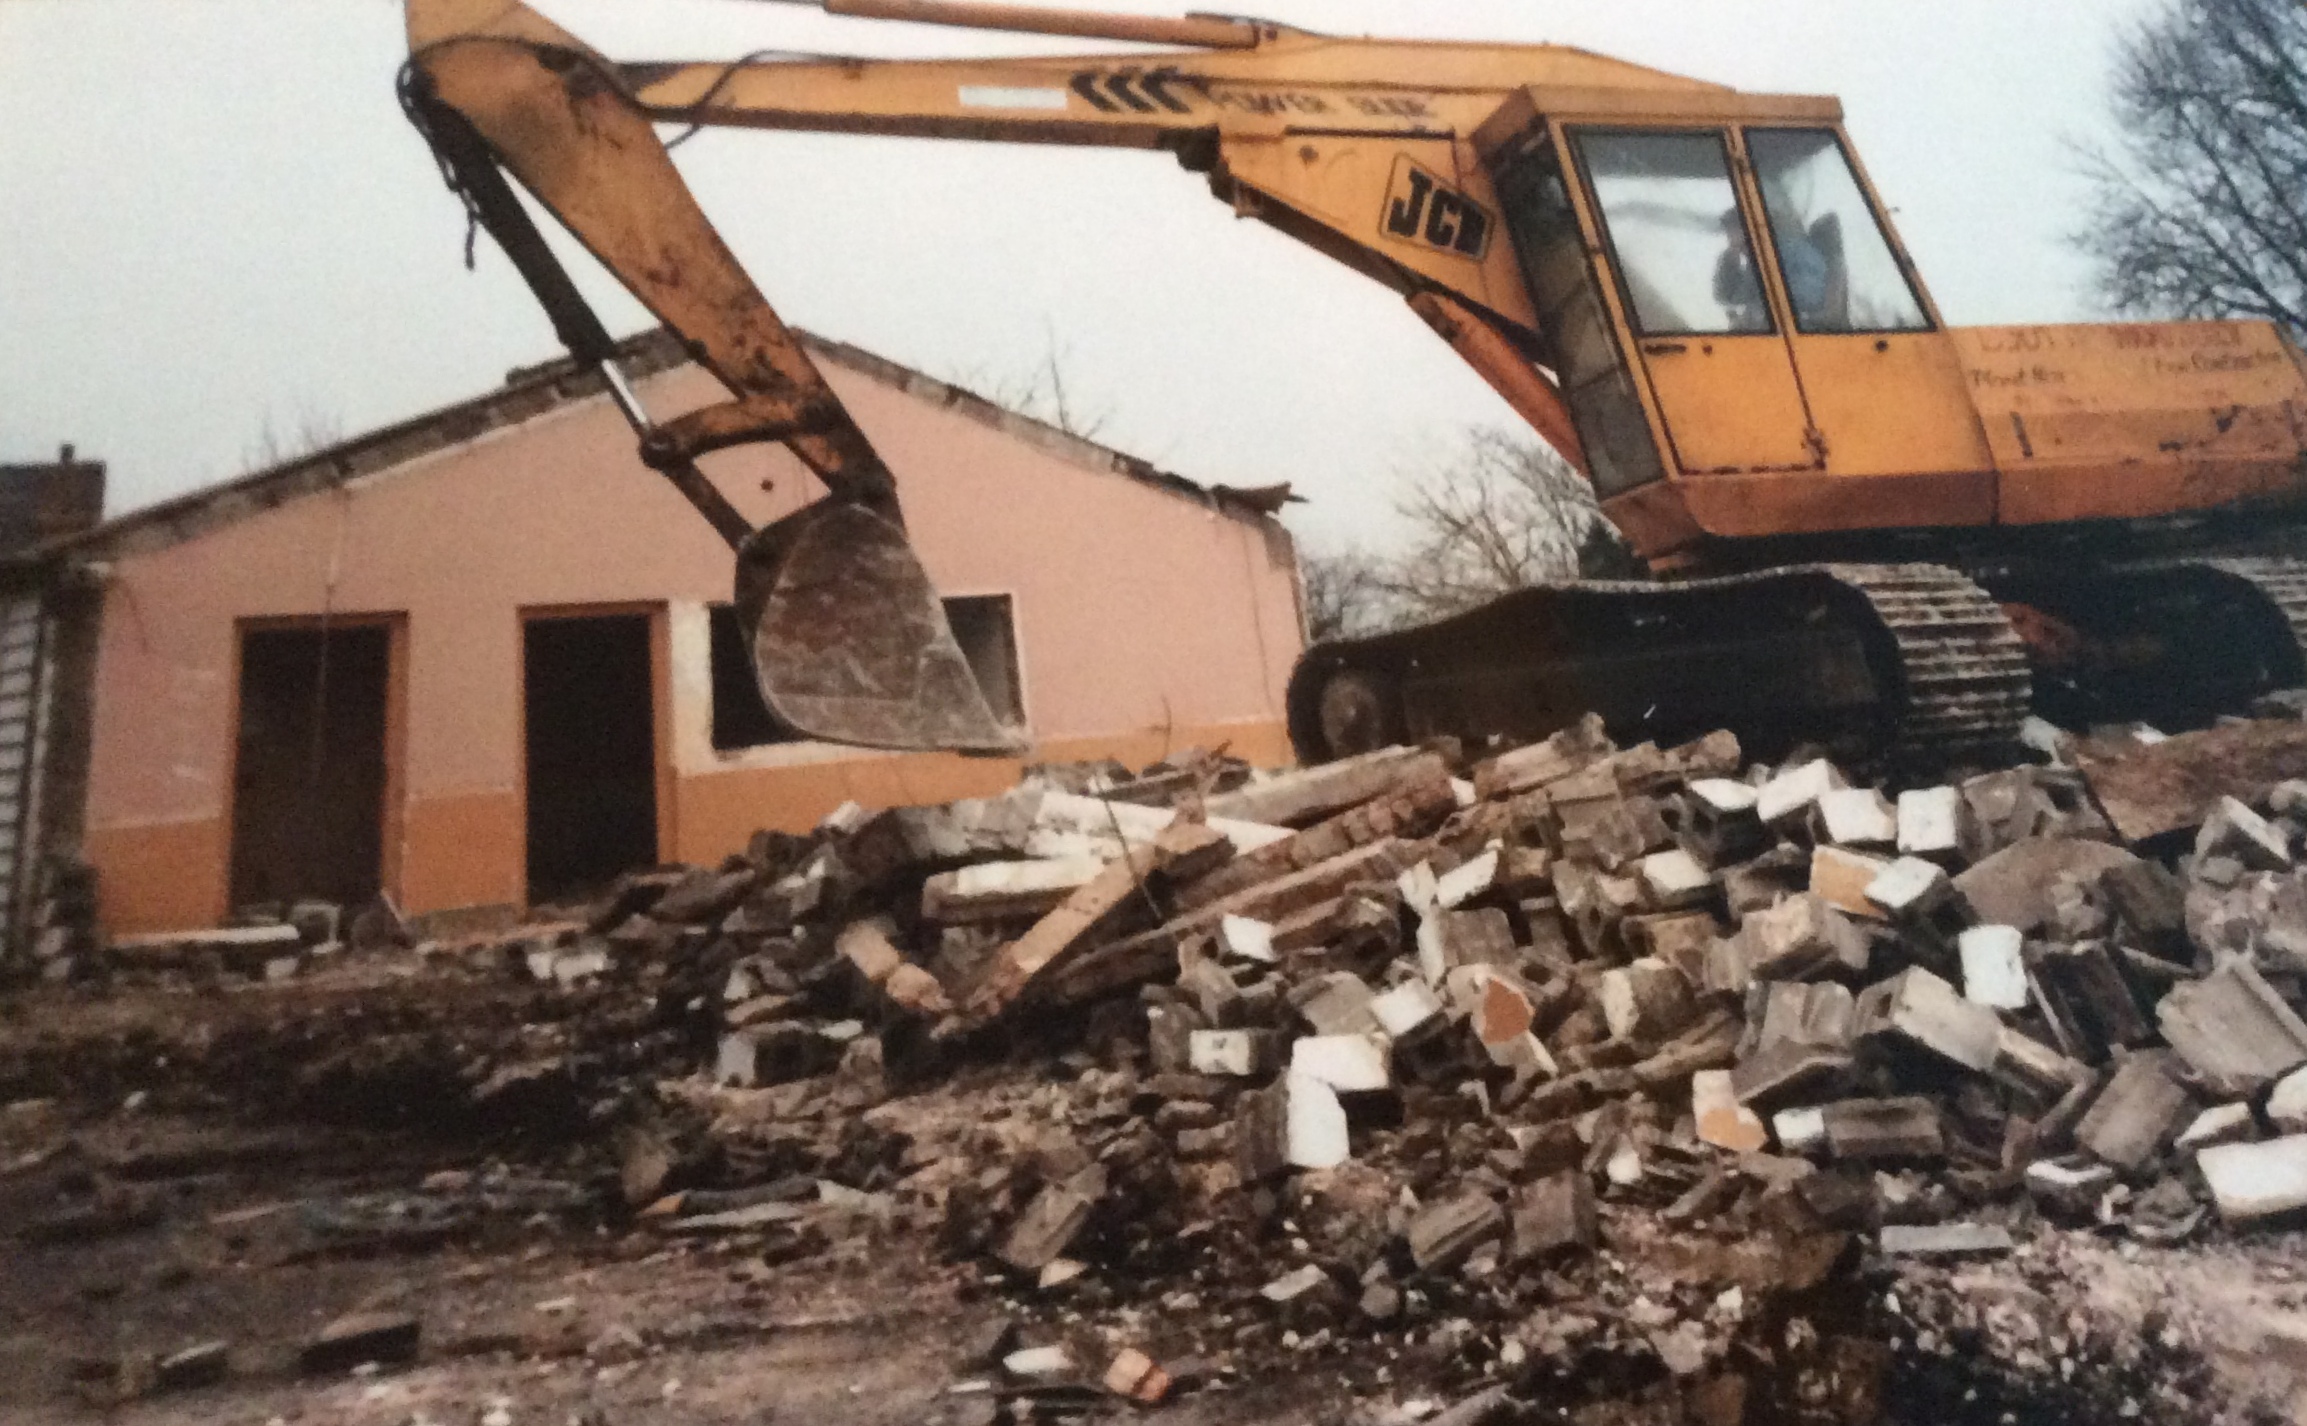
1732,320
1757,372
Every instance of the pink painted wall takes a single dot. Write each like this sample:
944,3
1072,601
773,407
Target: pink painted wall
1139,614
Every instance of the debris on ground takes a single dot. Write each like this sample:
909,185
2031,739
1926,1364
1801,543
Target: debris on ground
1601,1079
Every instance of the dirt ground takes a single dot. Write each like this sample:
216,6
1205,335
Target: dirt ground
180,1166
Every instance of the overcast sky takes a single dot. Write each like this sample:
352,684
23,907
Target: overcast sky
214,222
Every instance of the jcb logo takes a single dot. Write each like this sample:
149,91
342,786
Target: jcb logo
1423,209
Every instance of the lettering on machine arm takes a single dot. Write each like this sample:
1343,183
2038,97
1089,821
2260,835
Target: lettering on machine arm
1421,208
1007,96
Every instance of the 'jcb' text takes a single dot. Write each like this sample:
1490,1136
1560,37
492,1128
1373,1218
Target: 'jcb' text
1423,209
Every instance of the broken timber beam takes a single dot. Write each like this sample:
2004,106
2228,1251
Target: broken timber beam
1105,904
1149,954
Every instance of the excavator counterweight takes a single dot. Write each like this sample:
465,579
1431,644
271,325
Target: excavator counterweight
1866,526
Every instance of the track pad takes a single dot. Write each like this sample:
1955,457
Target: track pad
849,641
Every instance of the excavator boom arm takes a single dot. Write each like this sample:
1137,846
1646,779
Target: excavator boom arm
1361,148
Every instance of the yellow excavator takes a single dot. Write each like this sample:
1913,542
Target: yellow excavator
1868,526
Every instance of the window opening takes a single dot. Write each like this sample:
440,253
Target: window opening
1672,216
983,626
1840,272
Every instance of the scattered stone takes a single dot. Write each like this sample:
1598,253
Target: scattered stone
1138,1377
1442,1235
384,1338
1945,1240
1555,1215
2137,1115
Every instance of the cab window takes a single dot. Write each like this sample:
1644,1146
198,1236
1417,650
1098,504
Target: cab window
1838,268
1671,213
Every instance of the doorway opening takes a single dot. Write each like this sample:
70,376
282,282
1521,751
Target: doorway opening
308,794
589,710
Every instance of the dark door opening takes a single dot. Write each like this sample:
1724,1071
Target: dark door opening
592,750
309,779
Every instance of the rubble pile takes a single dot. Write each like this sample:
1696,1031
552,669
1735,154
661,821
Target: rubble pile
1572,1068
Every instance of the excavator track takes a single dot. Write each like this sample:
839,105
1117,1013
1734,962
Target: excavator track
2281,582
1966,684
1913,662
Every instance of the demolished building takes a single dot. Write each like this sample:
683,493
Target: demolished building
485,656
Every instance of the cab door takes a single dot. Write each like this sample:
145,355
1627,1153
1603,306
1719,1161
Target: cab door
1681,246
1883,380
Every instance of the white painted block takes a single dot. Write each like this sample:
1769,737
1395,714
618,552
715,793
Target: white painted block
1247,938
1350,1064
1406,1008
1794,791
2254,1181
1316,1124
1994,968
1929,821
1467,881
1857,817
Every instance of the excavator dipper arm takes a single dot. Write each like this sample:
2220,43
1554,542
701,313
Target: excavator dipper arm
850,643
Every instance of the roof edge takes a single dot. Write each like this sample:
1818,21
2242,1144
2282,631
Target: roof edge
532,391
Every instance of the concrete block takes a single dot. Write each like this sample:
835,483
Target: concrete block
2233,1029
2137,1115
1335,1003
1407,1009
1945,1240
1789,796
1802,938
1647,1001
1856,817
1235,1054
2287,1103
1350,1064
1467,880
998,891
1050,1222
2070,1188
1929,822
1921,1009
1909,888
1296,1122
1871,1130
1673,880
2252,1182
1994,966
1800,1131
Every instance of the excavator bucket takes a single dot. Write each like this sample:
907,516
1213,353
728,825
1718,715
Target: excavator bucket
849,641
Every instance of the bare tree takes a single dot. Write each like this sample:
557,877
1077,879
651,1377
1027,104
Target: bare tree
1041,391
1346,594
1503,513
2202,210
